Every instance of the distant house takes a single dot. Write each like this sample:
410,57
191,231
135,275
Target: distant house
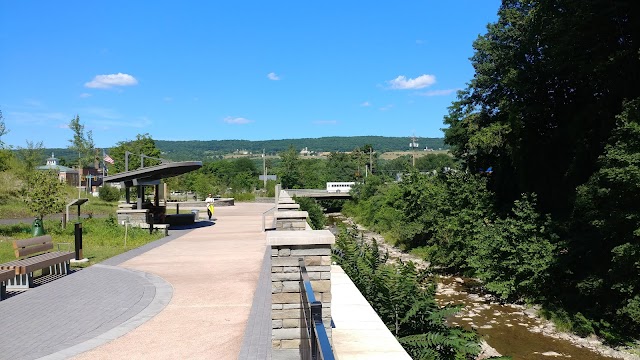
306,152
65,174
70,176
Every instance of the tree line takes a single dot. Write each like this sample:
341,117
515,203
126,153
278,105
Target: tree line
553,112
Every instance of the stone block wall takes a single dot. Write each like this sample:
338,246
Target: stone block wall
135,217
314,246
290,220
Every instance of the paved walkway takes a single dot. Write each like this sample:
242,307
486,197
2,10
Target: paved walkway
185,296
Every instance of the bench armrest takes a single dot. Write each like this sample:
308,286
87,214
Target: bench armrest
64,243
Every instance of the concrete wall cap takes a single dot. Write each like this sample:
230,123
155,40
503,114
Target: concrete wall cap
290,214
309,237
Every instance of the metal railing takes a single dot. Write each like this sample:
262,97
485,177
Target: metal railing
264,214
314,342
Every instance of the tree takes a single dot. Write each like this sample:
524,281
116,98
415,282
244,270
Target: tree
289,170
81,143
537,110
142,145
5,155
45,194
29,157
606,227
3,130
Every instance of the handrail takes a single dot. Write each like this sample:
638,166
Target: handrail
314,342
264,214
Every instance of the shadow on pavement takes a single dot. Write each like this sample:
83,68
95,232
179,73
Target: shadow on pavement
195,225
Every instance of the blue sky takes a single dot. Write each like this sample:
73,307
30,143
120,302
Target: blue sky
255,70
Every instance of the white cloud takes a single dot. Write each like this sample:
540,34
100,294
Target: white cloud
365,104
422,81
273,76
385,108
442,92
236,120
325,122
135,122
419,42
85,95
111,80
167,99
38,118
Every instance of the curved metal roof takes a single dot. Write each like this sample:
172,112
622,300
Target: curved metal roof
153,173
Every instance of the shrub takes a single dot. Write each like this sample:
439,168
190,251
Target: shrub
109,193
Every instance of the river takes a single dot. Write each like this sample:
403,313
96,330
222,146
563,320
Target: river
510,329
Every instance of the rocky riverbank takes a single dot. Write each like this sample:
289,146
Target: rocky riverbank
510,329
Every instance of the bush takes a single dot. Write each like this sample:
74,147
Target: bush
109,193
316,215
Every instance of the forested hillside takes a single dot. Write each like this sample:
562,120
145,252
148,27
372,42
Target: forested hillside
207,150
200,150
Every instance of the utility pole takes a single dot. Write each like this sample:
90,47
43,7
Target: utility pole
370,163
264,169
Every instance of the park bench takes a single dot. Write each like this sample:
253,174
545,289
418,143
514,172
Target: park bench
5,276
32,255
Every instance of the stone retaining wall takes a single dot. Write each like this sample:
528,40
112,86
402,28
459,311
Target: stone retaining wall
314,246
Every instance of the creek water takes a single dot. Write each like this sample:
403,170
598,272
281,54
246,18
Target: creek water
510,329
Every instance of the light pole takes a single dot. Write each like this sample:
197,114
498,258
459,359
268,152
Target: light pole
264,170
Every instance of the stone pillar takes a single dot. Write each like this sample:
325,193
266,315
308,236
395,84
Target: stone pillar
314,246
291,220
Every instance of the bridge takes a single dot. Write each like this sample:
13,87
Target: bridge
319,194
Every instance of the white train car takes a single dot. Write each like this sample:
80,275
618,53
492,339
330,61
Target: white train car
339,186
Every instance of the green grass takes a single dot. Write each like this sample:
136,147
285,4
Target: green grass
15,208
101,238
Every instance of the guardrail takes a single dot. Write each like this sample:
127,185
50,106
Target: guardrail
314,342
264,214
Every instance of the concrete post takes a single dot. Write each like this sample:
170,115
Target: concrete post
286,248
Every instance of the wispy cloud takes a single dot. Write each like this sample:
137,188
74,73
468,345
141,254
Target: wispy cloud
325,122
365,104
111,80
273,76
387,107
85,95
419,42
236,120
422,81
442,92
167,99
134,122
99,112
38,118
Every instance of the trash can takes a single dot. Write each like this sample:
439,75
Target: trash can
196,214
37,228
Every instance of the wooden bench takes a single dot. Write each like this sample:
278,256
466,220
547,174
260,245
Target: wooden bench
34,254
5,276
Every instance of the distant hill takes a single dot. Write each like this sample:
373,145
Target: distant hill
203,150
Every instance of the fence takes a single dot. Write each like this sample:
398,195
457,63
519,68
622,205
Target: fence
314,343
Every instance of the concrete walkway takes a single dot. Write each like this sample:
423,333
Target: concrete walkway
185,296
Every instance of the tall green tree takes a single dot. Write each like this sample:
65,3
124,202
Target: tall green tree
289,170
550,76
82,142
142,145
606,229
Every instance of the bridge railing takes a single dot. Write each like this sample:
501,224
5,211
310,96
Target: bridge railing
264,216
314,342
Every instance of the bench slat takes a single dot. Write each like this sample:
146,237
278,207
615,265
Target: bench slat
20,252
46,262
32,241
7,274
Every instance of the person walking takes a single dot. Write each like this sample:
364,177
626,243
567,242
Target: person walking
209,201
